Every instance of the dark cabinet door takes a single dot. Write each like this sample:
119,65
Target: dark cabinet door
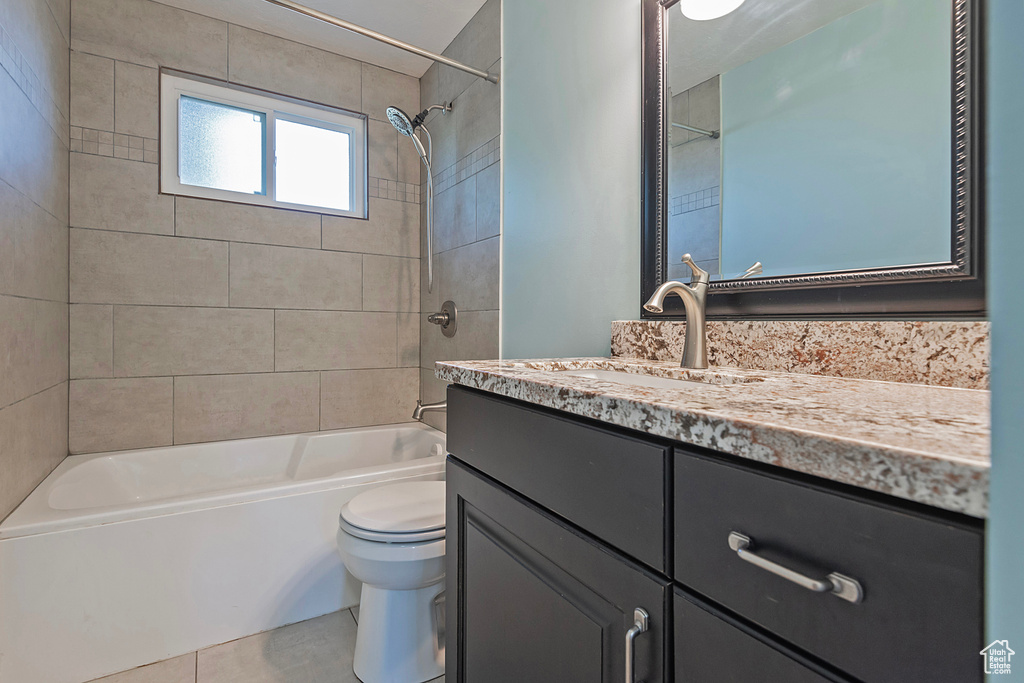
711,647
530,599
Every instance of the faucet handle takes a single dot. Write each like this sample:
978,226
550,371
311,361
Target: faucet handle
700,276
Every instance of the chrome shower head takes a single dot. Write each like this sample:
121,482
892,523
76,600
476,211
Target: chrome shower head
401,121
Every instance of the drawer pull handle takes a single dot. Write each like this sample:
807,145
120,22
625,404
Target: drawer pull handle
641,622
841,586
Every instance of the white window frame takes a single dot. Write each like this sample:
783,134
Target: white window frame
174,85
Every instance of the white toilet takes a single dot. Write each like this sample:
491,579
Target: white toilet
392,539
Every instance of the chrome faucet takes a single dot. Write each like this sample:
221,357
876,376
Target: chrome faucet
422,407
694,296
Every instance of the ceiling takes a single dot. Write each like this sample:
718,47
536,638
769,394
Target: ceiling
428,24
698,50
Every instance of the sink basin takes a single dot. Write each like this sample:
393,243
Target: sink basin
656,382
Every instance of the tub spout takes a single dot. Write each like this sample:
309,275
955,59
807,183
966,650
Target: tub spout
427,407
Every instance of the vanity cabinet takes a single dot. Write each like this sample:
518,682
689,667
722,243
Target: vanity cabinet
536,600
559,527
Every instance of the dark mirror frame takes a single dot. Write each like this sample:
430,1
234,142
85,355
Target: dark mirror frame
954,290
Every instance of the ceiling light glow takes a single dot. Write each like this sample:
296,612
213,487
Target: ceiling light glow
702,10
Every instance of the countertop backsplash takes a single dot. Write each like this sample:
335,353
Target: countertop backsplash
950,354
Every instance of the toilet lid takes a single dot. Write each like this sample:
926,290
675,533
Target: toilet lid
408,508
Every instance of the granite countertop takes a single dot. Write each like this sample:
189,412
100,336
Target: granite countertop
922,443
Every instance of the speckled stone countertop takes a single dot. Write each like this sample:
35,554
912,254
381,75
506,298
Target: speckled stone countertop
922,443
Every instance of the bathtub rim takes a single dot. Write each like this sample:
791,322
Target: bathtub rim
34,516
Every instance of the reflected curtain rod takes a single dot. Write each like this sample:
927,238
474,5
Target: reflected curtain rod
714,134
355,28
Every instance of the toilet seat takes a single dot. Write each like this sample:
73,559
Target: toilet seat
410,512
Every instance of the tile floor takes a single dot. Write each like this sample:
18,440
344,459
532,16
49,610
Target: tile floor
314,651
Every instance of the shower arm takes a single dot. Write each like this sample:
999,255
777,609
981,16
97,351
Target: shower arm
356,28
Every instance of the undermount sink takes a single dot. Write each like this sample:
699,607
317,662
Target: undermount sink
655,382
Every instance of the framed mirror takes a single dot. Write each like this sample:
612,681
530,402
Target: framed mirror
819,159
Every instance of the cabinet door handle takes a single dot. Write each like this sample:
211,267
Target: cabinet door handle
835,583
641,622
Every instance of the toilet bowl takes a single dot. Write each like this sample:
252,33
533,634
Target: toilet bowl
392,539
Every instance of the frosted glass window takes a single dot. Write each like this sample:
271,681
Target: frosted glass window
313,165
230,143
221,146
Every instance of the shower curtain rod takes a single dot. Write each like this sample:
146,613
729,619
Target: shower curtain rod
355,28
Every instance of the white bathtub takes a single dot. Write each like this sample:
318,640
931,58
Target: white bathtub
122,559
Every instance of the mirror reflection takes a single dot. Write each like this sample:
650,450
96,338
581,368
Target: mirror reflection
809,136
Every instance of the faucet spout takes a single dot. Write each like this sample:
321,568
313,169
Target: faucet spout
694,296
421,408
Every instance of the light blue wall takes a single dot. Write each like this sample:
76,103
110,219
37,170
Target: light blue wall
1005,205
840,141
571,155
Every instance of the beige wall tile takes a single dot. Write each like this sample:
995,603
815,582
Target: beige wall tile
281,277
330,340
391,283
455,216
150,34
119,414
391,229
488,202
92,91
33,347
218,407
155,340
41,39
118,194
479,117
122,268
471,275
354,398
478,336
383,88
92,341
178,670
478,43
33,440
408,340
289,68
410,166
136,100
33,159
382,139
242,223
33,249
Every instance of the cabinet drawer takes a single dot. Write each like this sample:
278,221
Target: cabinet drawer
708,648
612,485
921,613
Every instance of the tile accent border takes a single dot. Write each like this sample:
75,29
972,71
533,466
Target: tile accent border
951,354
701,199
106,143
474,162
382,188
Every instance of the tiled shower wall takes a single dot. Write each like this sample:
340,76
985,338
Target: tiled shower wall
195,320
34,111
467,202
694,182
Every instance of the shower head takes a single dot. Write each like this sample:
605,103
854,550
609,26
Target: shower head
406,126
400,120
